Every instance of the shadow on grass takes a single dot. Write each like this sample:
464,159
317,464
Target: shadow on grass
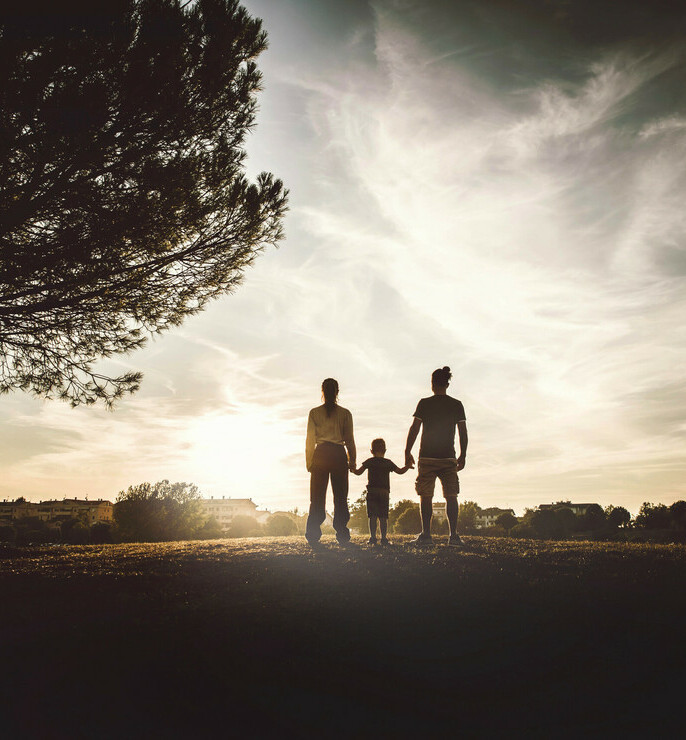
271,637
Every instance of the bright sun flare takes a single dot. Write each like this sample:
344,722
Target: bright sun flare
244,454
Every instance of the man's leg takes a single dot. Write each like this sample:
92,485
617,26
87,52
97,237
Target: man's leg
426,510
424,485
451,509
318,481
451,487
372,528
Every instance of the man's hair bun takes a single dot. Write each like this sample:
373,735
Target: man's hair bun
441,377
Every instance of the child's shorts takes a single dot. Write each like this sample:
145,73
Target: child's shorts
377,502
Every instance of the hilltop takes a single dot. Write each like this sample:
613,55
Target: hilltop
171,639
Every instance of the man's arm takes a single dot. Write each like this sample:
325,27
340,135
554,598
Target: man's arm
462,432
411,437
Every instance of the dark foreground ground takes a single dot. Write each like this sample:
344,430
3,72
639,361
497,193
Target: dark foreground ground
265,638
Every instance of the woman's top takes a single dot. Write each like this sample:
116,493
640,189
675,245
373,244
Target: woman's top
337,428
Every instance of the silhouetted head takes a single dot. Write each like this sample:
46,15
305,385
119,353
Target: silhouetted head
378,447
440,379
330,394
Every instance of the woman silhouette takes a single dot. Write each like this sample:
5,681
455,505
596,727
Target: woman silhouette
329,433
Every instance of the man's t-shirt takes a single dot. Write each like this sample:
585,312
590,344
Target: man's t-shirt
439,415
379,469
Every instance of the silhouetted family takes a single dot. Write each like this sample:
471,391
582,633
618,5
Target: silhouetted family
330,453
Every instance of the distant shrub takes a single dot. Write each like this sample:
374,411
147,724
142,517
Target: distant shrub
245,526
102,533
159,512
7,533
653,516
358,514
29,536
74,532
617,516
281,525
398,510
594,519
439,526
506,520
523,530
494,531
678,515
409,522
78,534
210,530
466,516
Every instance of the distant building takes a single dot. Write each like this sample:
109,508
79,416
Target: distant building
578,509
10,510
91,512
438,508
225,509
488,517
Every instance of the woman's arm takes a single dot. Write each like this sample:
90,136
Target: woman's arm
349,439
310,441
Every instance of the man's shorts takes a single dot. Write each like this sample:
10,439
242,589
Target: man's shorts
430,468
378,502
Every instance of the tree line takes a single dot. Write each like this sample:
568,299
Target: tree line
166,511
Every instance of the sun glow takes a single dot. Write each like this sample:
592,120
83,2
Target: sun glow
244,454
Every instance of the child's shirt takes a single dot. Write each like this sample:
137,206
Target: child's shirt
379,470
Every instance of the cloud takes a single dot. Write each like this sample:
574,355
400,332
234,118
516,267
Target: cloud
459,197
529,228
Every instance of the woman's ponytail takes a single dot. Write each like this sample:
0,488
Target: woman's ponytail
330,393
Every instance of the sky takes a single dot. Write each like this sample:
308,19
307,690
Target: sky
493,186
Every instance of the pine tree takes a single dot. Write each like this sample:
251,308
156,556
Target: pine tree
124,205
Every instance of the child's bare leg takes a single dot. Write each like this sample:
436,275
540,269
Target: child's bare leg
372,527
383,525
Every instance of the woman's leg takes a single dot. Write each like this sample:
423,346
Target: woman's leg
319,479
339,484
372,528
383,526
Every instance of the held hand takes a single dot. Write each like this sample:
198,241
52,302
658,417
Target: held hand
409,460
352,467
460,463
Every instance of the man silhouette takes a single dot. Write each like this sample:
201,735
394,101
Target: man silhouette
438,416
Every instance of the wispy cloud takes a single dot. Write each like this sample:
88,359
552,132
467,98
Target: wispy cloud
526,228
528,234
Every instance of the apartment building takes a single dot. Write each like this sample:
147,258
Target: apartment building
91,512
225,509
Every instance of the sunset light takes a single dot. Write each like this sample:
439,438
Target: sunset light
516,215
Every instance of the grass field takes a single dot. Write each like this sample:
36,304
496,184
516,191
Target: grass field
266,638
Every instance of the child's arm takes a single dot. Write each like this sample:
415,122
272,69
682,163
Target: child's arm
357,471
404,469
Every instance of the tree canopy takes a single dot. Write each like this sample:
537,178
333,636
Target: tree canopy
124,204
159,512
